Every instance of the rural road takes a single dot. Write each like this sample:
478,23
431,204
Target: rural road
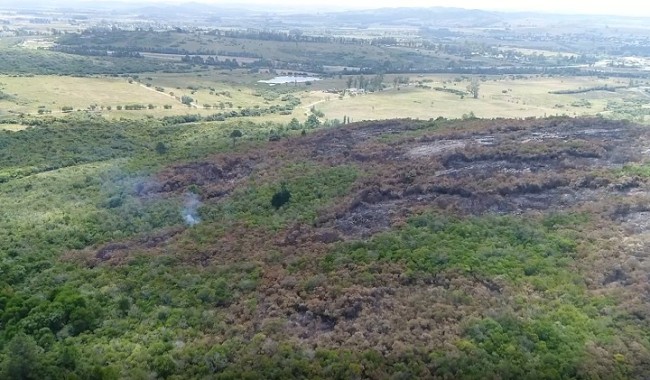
308,106
194,105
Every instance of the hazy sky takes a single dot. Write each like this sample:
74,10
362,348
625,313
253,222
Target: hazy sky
617,7
627,7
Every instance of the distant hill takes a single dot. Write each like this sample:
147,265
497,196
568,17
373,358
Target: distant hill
261,16
438,16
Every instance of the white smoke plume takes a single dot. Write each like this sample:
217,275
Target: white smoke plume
190,207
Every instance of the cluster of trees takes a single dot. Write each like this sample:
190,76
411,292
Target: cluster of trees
96,52
136,107
471,56
454,91
113,40
627,110
296,35
55,144
587,89
211,61
473,87
136,41
119,107
254,111
375,83
285,109
43,62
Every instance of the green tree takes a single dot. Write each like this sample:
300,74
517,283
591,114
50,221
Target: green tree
281,197
363,83
161,148
376,84
164,365
234,135
473,87
316,112
294,124
24,359
312,121
187,100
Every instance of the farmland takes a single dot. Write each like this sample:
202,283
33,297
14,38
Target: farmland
211,92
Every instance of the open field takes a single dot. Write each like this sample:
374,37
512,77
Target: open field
34,95
548,53
221,91
12,127
498,97
55,92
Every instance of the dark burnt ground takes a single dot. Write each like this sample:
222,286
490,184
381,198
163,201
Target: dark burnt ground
473,167
469,167
503,167
460,168
216,177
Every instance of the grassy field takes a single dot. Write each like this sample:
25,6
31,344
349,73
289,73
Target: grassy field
54,93
215,91
12,127
498,97
33,95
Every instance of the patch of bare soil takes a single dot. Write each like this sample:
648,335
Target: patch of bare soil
436,148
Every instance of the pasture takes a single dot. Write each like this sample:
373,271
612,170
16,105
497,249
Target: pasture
12,127
159,95
502,96
215,91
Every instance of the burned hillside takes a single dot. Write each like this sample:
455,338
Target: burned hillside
420,240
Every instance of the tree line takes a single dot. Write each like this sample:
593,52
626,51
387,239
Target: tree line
211,61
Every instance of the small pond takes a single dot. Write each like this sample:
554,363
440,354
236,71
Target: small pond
289,79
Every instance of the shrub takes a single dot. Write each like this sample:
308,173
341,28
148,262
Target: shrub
281,197
188,100
161,148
